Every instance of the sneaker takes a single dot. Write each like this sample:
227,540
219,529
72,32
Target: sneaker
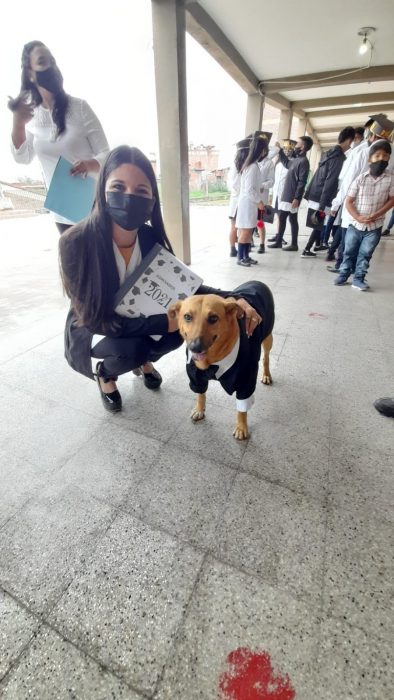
360,285
273,240
251,261
308,254
243,263
233,252
340,280
321,247
275,245
291,248
332,268
386,232
261,249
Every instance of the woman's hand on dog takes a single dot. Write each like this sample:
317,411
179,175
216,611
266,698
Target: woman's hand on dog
252,318
172,322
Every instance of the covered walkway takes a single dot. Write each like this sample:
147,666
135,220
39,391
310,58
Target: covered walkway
137,552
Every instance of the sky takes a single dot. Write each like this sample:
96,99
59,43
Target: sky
105,52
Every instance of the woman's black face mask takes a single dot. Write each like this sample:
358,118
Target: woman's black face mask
50,79
129,211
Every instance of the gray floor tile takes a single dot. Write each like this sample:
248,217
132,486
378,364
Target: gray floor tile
17,627
283,454
362,480
111,463
18,481
212,437
228,612
352,664
53,669
360,571
274,533
65,430
183,494
125,606
44,543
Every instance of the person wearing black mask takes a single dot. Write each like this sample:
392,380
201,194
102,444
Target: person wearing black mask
369,197
293,191
49,123
96,256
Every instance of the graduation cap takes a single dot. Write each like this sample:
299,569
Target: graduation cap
288,143
382,126
265,135
244,143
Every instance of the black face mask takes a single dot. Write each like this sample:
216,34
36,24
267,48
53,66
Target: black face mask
297,152
50,79
378,168
130,211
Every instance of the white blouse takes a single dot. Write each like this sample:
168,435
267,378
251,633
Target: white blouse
83,139
249,197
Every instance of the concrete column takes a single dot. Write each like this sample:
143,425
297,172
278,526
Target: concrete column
286,117
254,113
302,127
168,18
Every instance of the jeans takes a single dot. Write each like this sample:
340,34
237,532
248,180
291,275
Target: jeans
359,248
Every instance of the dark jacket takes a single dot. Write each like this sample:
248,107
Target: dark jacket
298,171
324,184
242,376
78,339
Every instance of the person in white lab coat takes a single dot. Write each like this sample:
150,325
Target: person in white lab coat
234,184
267,170
49,123
250,196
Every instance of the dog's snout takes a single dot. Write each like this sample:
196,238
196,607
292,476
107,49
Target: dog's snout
197,345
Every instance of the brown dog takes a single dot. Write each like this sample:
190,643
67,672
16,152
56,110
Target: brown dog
220,349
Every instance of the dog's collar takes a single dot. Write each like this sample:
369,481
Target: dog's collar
226,362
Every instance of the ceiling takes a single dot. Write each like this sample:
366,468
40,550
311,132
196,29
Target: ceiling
259,41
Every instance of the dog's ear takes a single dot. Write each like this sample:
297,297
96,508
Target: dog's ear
173,311
231,308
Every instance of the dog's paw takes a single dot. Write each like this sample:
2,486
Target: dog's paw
240,432
197,415
266,379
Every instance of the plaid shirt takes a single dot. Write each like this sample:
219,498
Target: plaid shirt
369,195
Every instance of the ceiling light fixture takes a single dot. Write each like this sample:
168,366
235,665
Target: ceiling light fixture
365,44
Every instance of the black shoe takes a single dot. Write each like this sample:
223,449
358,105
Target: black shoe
277,244
329,258
152,380
243,263
272,239
233,252
386,232
112,402
321,247
251,261
261,248
385,406
332,268
308,254
291,248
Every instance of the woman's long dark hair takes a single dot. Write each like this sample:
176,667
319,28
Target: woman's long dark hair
87,261
257,148
61,98
240,157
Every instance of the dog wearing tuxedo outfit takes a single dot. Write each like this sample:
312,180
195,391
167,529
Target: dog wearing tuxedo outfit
218,347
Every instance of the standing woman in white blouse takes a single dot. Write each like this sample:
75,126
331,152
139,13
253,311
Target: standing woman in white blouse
250,197
49,123
234,184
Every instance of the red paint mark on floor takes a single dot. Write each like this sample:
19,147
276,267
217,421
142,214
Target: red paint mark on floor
315,314
251,677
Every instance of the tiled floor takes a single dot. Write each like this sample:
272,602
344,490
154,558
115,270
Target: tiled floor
137,552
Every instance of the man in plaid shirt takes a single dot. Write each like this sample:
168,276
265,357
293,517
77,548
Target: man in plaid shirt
369,197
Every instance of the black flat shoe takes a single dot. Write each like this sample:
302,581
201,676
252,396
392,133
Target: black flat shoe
152,380
112,402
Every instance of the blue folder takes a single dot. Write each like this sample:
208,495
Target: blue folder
69,195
